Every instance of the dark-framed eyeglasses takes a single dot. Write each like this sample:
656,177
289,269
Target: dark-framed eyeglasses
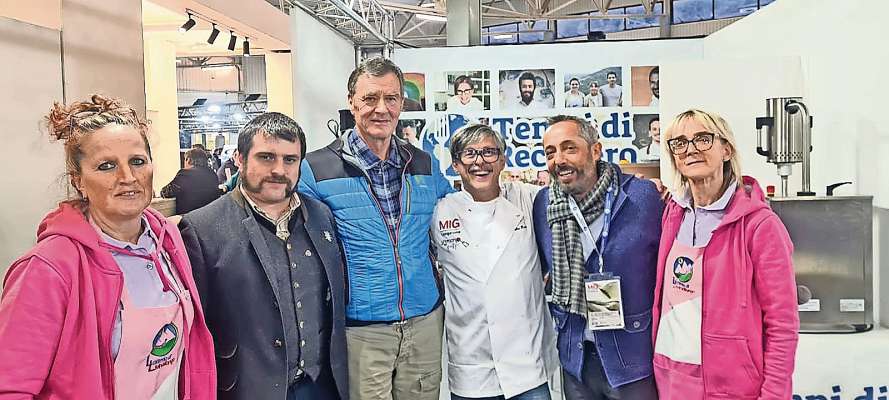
702,141
488,154
390,100
461,91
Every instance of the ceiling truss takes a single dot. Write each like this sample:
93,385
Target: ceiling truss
385,23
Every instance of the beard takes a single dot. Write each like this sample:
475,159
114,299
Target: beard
585,178
527,97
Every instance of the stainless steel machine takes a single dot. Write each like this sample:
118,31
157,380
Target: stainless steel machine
832,240
788,131
832,235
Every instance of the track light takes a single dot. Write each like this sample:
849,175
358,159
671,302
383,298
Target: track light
213,35
188,24
232,41
246,47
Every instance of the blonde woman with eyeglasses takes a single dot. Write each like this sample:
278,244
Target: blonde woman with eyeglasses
725,315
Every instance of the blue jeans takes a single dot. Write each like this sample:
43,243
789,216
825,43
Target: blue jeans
539,393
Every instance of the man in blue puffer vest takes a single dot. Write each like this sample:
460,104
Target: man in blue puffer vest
382,192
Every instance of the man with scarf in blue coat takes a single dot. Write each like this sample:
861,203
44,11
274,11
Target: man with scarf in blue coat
622,215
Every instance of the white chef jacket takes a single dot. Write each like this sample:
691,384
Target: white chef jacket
500,336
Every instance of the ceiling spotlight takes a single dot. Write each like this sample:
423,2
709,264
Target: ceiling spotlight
188,24
246,47
232,41
213,35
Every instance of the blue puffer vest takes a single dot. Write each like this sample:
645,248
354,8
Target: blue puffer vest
390,276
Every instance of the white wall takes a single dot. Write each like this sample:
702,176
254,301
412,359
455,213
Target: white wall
322,62
103,50
843,58
32,180
45,13
279,76
161,100
736,89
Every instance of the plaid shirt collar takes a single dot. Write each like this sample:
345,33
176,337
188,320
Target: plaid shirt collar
367,156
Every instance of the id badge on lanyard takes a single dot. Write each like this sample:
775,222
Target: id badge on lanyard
602,290
604,302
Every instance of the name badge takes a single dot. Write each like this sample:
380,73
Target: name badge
604,302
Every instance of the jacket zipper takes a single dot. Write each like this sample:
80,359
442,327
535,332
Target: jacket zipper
109,360
393,236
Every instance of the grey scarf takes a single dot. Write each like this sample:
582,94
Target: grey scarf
568,262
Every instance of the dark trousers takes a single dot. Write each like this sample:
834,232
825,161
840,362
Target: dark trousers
322,388
594,385
539,393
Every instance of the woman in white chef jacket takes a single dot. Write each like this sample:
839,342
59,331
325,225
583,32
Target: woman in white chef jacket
500,338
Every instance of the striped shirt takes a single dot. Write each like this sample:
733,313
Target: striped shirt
385,176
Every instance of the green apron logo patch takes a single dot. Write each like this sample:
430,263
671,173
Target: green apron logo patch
162,347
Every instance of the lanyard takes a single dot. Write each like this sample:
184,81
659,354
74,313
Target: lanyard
585,228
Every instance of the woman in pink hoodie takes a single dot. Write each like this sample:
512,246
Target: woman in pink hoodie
725,318
104,306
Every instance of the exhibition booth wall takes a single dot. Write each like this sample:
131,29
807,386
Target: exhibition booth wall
30,32
322,61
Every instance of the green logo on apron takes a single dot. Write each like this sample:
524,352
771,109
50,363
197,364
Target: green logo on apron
165,340
683,269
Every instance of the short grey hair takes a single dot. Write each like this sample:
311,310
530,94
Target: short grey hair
474,133
587,131
377,66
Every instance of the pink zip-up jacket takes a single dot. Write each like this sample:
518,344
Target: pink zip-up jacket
58,309
750,322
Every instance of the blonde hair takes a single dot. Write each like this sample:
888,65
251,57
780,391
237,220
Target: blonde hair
713,123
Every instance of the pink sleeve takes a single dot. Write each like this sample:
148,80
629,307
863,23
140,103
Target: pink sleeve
774,283
32,312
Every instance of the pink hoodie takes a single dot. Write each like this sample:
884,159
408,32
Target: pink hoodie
58,308
750,320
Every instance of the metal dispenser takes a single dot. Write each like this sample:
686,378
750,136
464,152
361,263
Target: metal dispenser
832,235
787,128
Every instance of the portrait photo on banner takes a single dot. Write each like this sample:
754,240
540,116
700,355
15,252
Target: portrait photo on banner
584,89
414,91
410,130
527,89
646,86
462,91
647,128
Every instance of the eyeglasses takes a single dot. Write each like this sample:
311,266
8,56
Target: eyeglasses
459,92
391,101
702,141
489,155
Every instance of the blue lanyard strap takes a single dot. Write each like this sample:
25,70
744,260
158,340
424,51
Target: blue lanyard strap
584,227
609,204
